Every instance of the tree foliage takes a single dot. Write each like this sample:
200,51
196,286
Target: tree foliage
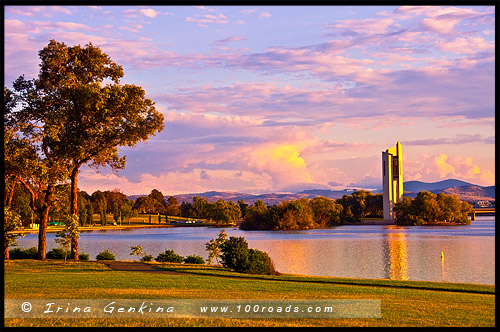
292,215
214,247
173,208
76,112
12,223
361,204
236,255
68,235
169,256
429,208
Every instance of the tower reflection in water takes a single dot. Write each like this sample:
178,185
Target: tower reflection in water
397,255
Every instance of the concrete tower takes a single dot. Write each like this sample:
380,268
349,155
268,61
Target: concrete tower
392,178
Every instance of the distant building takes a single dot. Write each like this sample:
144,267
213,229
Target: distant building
392,179
483,204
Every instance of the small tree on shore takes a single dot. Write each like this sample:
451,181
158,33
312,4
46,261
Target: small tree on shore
137,251
12,223
214,247
69,234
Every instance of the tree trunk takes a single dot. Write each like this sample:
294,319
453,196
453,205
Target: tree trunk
74,208
8,198
42,235
6,253
42,231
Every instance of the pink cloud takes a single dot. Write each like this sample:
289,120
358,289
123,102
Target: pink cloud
365,26
444,26
208,19
37,11
464,45
228,40
441,166
148,12
265,15
62,25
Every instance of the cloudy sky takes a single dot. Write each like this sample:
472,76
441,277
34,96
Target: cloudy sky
283,98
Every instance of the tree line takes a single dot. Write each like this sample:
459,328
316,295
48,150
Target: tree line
428,208
318,212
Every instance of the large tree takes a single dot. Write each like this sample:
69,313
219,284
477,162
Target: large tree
89,120
28,158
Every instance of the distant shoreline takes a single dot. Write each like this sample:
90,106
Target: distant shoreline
382,222
368,222
122,227
371,222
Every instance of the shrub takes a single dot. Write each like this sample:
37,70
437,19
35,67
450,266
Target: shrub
31,253
56,253
83,257
259,262
234,253
105,256
194,259
169,256
147,258
237,255
18,253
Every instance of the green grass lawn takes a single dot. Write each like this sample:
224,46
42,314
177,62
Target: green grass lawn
404,303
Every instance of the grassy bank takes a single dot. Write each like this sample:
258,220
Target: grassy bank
404,303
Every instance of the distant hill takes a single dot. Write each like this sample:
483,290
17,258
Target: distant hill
464,190
416,186
472,193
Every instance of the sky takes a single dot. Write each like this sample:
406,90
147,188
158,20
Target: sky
263,99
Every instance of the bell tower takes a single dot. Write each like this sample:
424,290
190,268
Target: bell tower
392,179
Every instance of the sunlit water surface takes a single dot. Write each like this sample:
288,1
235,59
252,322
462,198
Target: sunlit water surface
391,252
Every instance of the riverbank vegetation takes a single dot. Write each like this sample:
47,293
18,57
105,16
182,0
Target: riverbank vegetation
404,303
318,212
233,253
428,208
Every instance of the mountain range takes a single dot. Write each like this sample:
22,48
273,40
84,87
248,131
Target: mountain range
464,190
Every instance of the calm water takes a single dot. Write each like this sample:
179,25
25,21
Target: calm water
391,252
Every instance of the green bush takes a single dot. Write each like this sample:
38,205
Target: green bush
147,258
105,256
32,253
83,257
169,256
194,259
259,262
56,253
18,253
236,255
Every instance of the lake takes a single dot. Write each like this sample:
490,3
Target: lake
371,251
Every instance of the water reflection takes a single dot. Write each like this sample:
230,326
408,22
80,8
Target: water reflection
442,266
397,260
